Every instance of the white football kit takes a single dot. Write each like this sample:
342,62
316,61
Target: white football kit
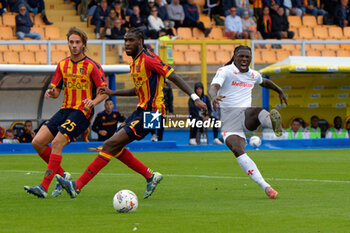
237,89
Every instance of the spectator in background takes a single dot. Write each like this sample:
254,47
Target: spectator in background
138,21
294,7
295,131
155,24
314,7
120,12
3,8
109,24
258,8
169,110
192,18
280,25
28,134
14,6
23,25
176,13
40,6
99,17
313,130
337,131
249,26
264,24
195,113
163,14
227,5
117,33
242,5
234,27
106,122
146,10
82,10
341,14
9,137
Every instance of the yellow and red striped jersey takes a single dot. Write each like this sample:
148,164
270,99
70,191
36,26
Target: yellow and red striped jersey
80,81
149,72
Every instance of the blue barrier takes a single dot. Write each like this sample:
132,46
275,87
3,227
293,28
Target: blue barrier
147,146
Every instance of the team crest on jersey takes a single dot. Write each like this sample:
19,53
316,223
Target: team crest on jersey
114,116
82,70
253,75
235,73
103,118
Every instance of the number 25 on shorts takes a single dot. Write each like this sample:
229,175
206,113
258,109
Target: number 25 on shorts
68,125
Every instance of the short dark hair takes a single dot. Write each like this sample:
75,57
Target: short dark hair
108,100
139,34
314,117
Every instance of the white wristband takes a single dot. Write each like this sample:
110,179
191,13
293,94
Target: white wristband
194,96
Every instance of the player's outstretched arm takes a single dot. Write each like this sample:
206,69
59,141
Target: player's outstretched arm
271,85
124,92
98,99
53,93
178,81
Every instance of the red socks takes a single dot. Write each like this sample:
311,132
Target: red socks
128,159
45,155
100,161
52,167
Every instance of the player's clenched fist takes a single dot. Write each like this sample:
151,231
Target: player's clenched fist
200,104
50,93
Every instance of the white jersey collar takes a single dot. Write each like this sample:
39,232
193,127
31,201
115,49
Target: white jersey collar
235,69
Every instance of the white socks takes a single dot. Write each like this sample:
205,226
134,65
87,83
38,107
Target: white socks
264,118
249,167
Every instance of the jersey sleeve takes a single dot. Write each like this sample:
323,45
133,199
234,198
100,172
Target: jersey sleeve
57,79
259,78
98,76
219,77
158,66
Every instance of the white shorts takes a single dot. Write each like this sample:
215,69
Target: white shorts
232,122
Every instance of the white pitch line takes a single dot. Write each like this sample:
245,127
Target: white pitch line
194,176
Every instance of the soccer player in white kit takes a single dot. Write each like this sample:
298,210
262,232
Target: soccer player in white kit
231,90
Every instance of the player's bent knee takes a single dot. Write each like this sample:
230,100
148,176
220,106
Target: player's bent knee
112,146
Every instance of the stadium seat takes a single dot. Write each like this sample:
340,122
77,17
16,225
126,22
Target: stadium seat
205,20
309,21
296,33
52,33
39,30
282,54
223,56
289,47
346,32
198,34
16,47
294,21
306,33
6,33
60,47
328,53
40,57
192,57
194,47
269,56
179,58
313,53
11,57
180,47
27,57
38,21
332,46
345,46
296,52
9,20
32,47
320,19
184,33
321,33
335,33
343,53
317,46
57,56
228,47
4,47
211,58
213,47
257,57
216,34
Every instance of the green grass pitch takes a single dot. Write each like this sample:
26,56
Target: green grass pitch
201,192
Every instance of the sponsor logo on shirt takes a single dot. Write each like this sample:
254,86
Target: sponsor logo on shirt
239,84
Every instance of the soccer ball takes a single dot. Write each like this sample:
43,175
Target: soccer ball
255,141
125,201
